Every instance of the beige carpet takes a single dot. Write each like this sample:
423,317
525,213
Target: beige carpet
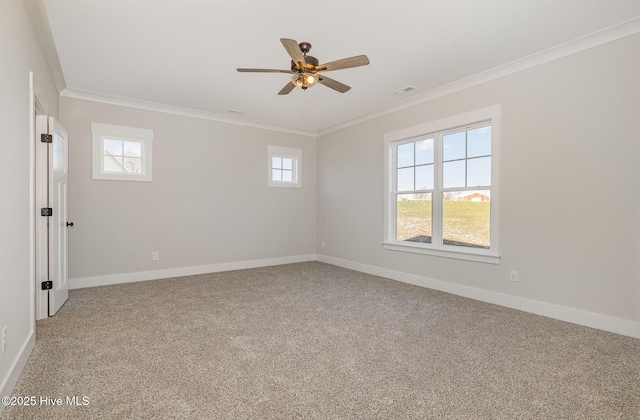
312,340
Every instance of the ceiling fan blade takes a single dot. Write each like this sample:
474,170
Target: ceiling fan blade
345,63
264,71
333,84
286,89
293,49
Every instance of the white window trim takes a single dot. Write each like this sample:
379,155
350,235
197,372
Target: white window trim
145,137
492,255
287,152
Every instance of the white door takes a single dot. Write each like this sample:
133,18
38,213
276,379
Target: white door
58,221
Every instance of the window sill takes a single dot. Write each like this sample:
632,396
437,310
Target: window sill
284,184
483,257
122,177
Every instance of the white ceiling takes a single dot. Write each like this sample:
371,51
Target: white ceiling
184,53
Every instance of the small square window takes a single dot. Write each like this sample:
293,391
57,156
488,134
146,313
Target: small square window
121,153
284,167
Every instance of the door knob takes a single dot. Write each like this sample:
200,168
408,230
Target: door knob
69,224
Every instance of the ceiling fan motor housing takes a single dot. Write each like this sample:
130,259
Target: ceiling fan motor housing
312,63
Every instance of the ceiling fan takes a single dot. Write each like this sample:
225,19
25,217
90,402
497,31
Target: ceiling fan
306,70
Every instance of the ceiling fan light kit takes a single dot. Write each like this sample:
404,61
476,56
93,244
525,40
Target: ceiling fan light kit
304,80
305,68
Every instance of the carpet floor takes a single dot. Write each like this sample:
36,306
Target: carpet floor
315,341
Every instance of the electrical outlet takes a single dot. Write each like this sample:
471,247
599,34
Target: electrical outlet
155,256
322,244
514,275
4,338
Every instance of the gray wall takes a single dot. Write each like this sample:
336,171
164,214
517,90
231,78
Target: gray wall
569,184
208,203
569,196
21,53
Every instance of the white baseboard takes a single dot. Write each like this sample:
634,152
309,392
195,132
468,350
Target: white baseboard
9,382
82,282
563,313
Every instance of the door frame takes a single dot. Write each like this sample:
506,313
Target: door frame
39,230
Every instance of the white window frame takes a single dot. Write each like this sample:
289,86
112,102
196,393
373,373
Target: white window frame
100,132
285,152
418,132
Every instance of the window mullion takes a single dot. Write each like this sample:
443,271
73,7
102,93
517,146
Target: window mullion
415,184
394,226
393,196
436,217
466,157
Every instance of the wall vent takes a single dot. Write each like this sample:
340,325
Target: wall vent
404,90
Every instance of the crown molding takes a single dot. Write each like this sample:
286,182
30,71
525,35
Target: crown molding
595,39
175,110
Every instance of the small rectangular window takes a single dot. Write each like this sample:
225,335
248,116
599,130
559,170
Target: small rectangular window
121,153
122,156
284,167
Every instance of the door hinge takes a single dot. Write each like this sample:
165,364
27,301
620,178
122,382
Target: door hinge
46,138
47,285
46,211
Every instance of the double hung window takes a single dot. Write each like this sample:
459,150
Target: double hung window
441,187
